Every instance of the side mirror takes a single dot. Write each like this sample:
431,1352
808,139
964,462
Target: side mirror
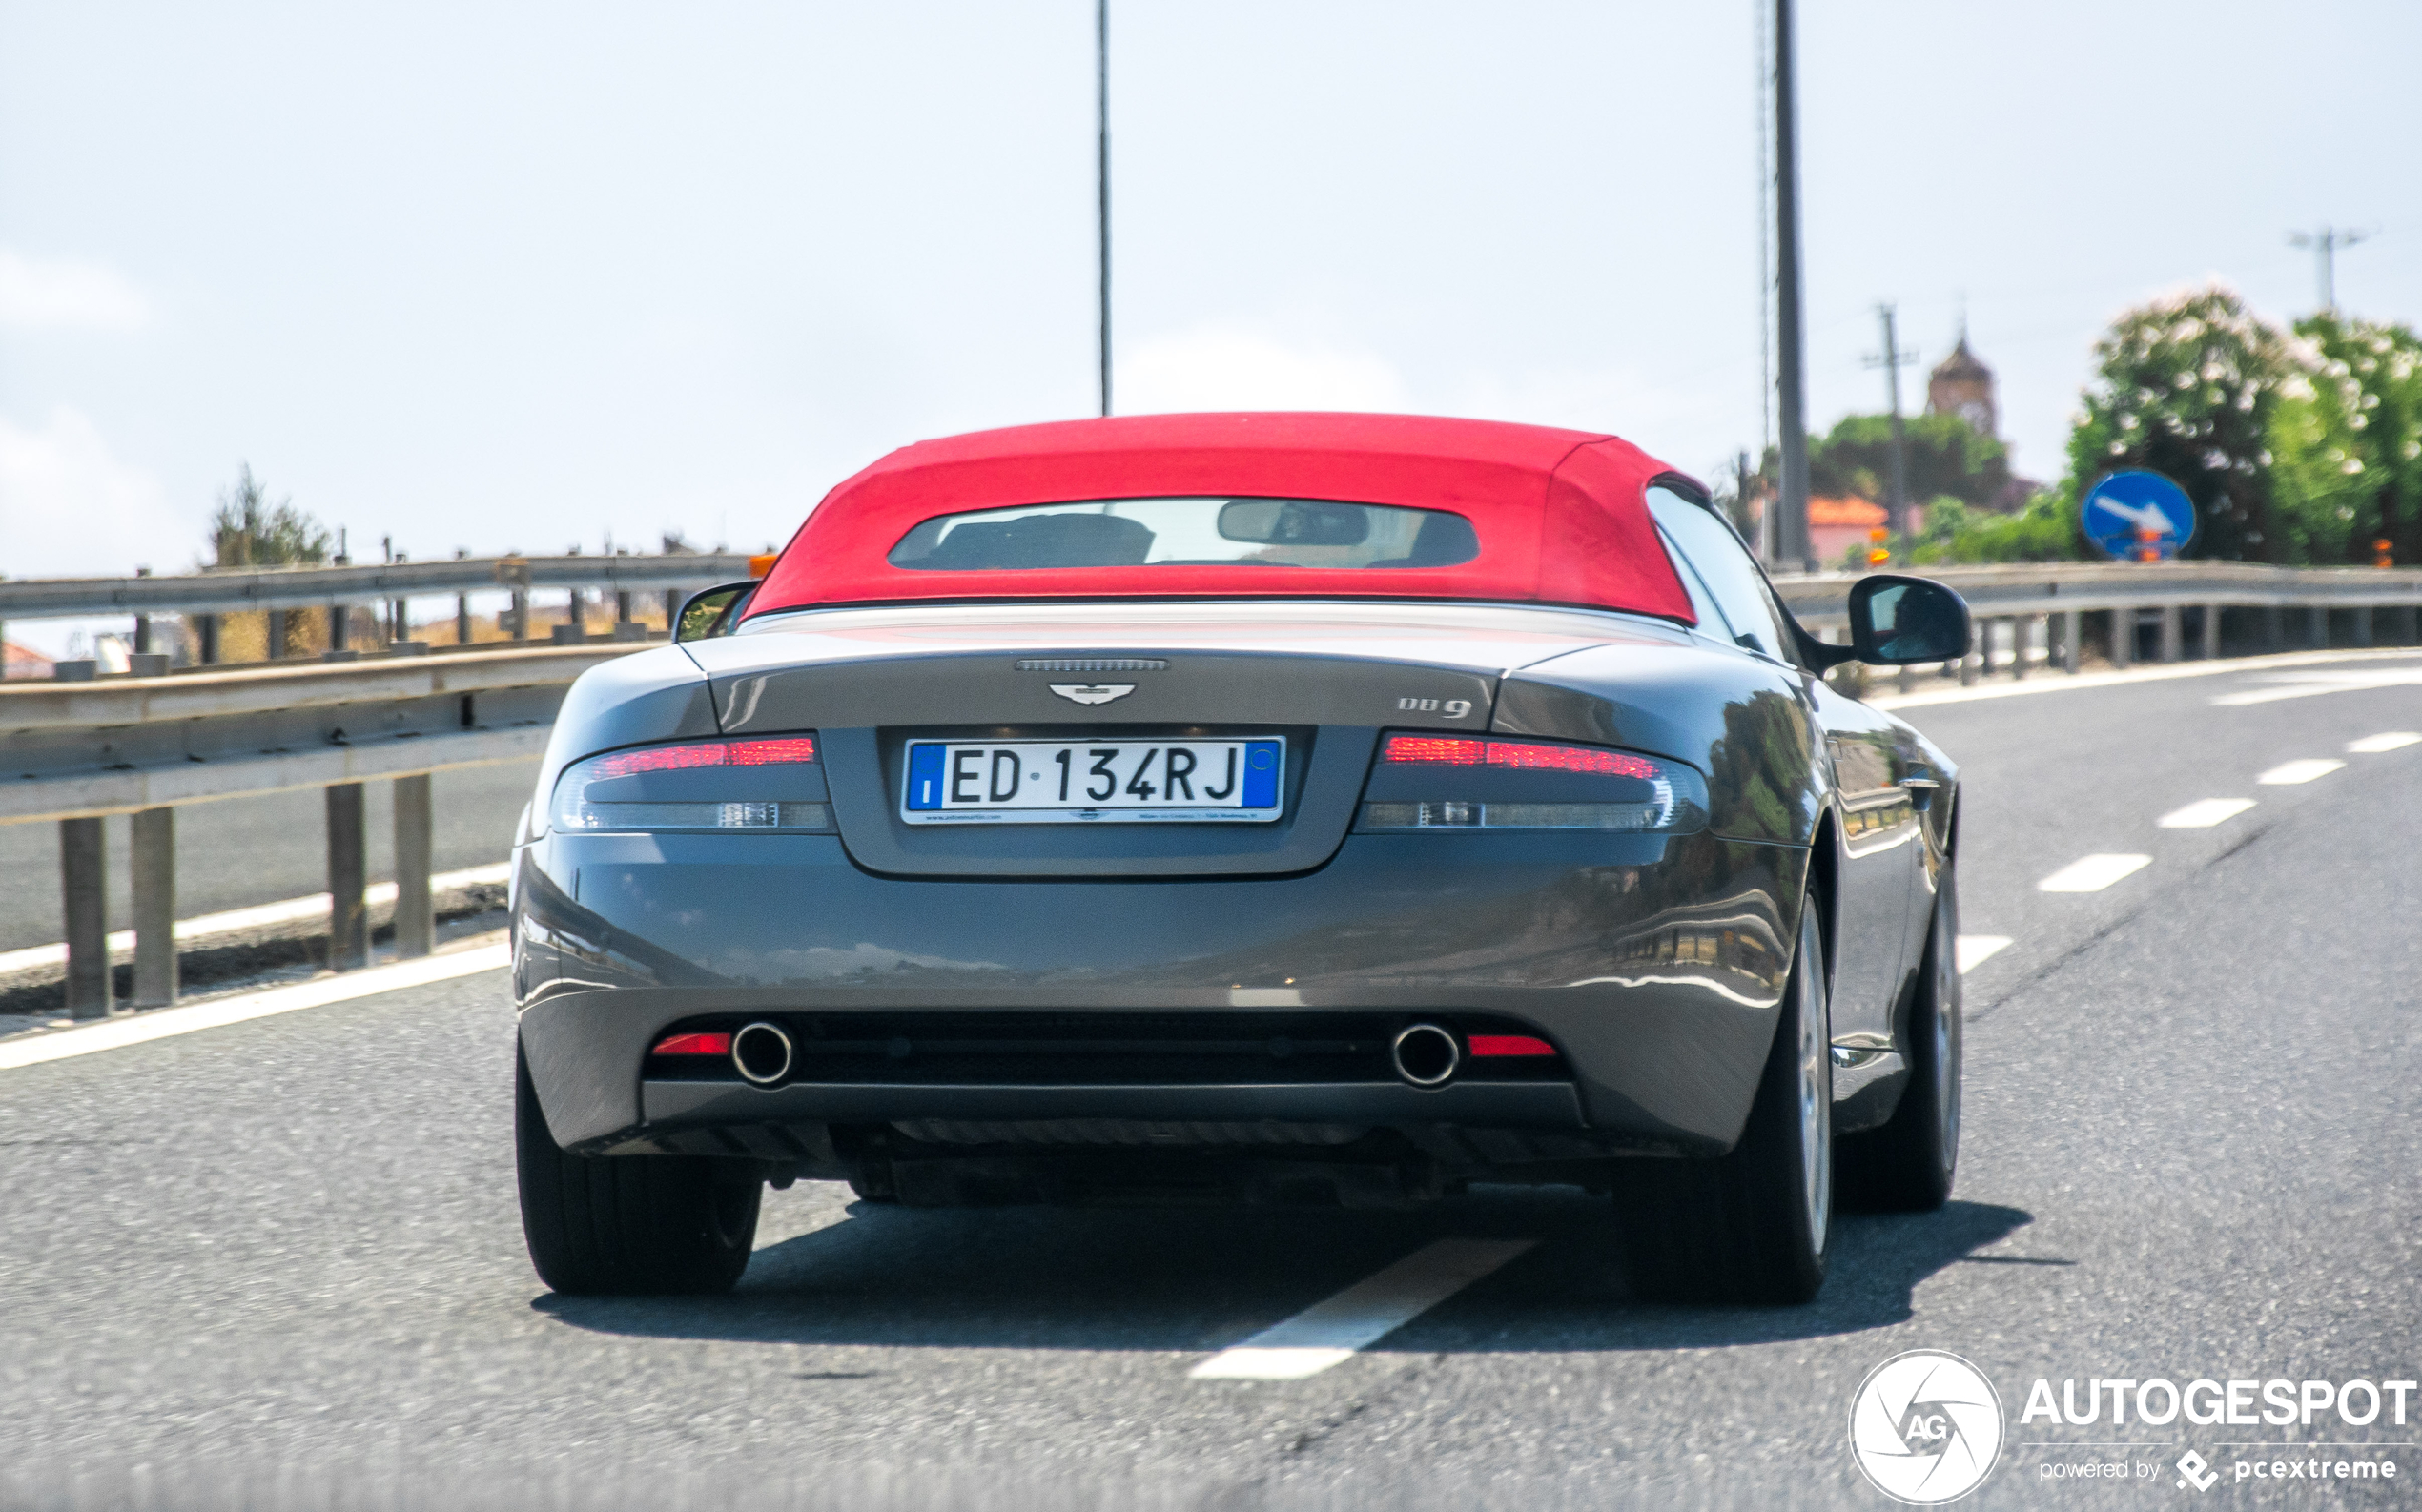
1895,620
711,611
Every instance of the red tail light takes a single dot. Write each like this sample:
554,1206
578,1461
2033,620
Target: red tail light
704,1045
702,753
1486,1044
1529,755
786,749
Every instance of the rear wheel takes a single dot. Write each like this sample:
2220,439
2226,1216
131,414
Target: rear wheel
628,1224
1907,1164
1755,1225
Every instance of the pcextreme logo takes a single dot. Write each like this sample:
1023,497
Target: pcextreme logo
1926,1427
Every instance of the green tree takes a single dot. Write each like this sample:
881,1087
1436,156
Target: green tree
1946,457
2348,457
246,530
2192,387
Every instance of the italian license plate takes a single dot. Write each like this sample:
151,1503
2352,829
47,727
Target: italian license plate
1030,782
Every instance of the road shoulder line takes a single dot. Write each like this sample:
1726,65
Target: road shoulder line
487,954
2057,681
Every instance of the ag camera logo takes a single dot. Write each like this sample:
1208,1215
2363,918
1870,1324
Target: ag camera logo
1926,1427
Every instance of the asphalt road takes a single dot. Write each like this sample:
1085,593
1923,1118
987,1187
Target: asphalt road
278,1264
281,839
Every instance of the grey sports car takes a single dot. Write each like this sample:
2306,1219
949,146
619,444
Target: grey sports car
1285,808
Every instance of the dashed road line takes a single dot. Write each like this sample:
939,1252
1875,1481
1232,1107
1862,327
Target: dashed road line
2387,741
2306,685
1332,1331
2092,873
2204,814
1975,949
488,954
2288,773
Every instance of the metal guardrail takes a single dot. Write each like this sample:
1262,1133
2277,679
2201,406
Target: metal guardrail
2059,587
234,591
75,751
2016,596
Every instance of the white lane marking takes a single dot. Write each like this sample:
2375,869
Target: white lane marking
2204,814
2092,873
2308,683
32,1050
2055,682
2288,773
1328,1332
2374,744
1975,949
286,910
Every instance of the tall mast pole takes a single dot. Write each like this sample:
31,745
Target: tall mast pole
1101,182
1791,541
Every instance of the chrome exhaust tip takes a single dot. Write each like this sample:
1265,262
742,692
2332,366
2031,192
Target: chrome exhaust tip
761,1052
1426,1055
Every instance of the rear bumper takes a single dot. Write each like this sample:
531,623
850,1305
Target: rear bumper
1656,968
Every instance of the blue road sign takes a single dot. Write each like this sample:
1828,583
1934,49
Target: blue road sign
2138,515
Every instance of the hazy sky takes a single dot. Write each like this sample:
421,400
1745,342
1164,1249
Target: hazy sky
506,276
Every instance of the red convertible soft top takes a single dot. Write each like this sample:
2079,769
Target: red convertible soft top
1561,516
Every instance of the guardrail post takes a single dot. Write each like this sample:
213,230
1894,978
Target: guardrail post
521,614
2122,637
622,606
2317,627
2363,624
2170,637
672,609
462,619
153,861
2212,632
2410,619
416,912
206,633
277,634
338,628
348,879
85,893
2073,641
1985,646
2021,631
576,613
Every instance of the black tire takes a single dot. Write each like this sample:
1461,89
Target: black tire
630,1224
1755,1225
1908,1163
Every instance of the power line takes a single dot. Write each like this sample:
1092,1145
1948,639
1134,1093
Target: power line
1792,540
2324,244
1892,360
1101,182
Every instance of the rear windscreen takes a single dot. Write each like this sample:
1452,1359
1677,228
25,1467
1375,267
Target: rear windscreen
1187,532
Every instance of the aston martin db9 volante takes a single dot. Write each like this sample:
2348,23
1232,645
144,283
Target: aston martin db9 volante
1282,808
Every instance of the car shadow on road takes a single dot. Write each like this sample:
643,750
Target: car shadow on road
1192,1279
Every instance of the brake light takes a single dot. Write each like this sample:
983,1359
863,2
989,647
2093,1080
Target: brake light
706,1045
1522,755
788,749
745,810
1488,1045
1441,782
780,751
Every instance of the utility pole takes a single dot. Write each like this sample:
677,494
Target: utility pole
1790,538
1892,360
1101,181
2324,244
